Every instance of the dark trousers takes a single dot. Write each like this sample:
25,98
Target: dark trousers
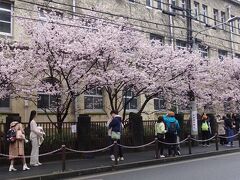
222,140
205,136
171,138
120,153
161,145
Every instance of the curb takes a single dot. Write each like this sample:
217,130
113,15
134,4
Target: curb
102,169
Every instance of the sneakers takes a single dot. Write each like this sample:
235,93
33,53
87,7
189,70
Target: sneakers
162,156
122,158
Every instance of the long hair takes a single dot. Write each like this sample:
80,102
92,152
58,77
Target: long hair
32,116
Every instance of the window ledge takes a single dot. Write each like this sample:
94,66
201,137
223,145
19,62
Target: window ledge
6,34
94,112
41,112
5,111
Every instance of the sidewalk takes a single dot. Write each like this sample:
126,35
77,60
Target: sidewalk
98,161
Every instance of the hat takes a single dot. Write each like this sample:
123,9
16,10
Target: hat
14,123
204,117
171,113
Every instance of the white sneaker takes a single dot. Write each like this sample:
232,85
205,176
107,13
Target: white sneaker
162,156
122,158
39,164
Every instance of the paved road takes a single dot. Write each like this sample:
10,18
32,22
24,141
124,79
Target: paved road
223,167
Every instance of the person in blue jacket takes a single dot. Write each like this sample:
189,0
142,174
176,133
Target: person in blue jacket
172,130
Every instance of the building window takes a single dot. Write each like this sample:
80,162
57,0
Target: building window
159,4
232,24
159,103
43,12
149,3
237,55
203,50
129,101
223,19
5,18
93,99
131,0
157,37
173,4
222,54
181,44
215,16
239,26
205,14
183,4
5,103
46,101
196,10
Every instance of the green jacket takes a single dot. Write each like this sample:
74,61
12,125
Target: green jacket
160,128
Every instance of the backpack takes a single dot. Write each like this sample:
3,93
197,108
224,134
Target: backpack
11,136
172,127
205,126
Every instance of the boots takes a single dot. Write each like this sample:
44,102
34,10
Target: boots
25,167
11,168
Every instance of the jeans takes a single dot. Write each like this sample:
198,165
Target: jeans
230,132
120,153
205,136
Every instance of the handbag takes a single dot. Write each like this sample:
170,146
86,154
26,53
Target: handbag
115,135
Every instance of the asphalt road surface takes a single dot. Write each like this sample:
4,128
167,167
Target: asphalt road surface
222,167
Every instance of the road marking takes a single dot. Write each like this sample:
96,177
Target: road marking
93,177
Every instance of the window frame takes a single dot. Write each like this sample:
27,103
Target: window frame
203,50
222,54
223,19
159,99
50,104
159,4
94,96
205,13
180,44
125,96
11,19
150,5
183,4
196,10
215,16
232,24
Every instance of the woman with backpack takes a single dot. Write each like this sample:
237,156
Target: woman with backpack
206,130
16,146
172,131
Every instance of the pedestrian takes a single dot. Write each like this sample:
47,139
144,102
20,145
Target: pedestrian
16,147
172,131
160,131
206,130
228,123
36,136
221,130
236,120
116,126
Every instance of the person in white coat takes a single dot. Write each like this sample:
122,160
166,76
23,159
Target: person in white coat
35,135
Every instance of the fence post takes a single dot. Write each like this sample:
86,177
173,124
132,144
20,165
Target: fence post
156,148
63,158
216,141
116,152
189,144
239,139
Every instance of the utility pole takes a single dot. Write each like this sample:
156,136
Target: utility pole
193,105
189,24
